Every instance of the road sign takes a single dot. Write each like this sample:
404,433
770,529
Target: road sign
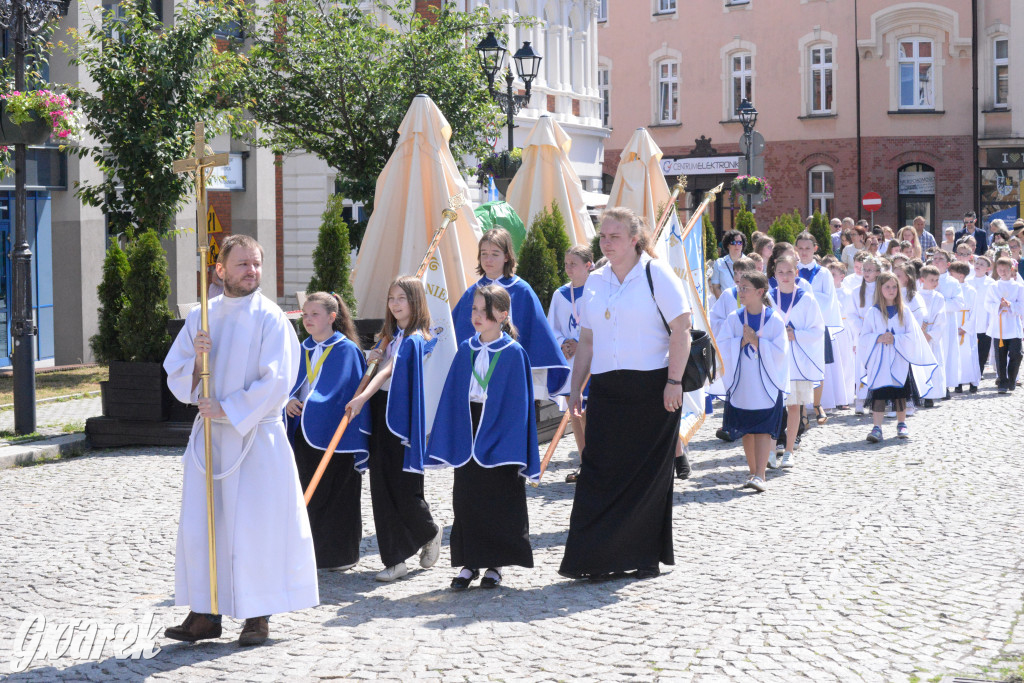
757,141
757,166
872,201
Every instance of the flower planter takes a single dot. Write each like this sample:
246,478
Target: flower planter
33,132
749,187
502,185
136,391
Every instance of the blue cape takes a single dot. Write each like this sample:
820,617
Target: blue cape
507,434
336,385
406,415
535,334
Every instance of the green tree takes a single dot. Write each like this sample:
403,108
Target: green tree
552,223
106,344
595,246
786,227
152,83
820,229
340,78
332,256
747,224
710,243
537,265
142,323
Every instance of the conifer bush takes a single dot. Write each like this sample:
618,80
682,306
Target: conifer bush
537,265
552,223
821,231
106,344
333,255
710,243
142,322
747,224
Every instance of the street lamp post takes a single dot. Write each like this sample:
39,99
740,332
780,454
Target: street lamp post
24,18
748,117
492,61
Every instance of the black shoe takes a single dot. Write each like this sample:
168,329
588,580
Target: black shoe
572,476
460,583
490,581
974,388
1002,388
959,388
929,403
947,396
195,627
647,573
724,436
682,467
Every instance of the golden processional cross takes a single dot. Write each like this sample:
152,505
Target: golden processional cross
198,164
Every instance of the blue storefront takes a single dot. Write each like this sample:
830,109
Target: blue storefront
47,172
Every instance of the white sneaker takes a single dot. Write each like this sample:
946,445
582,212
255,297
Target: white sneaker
342,568
748,484
858,407
392,573
911,408
758,484
429,553
787,460
773,460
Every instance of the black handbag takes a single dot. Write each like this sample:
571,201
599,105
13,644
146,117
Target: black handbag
701,365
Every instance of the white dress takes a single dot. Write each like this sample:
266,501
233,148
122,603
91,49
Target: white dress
856,321
806,354
967,343
755,377
889,365
265,559
954,295
564,319
841,391
935,305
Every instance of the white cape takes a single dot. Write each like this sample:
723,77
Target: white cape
265,558
889,365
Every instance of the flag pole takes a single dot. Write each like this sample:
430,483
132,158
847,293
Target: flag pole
448,217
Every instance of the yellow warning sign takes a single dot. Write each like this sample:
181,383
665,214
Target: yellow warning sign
214,252
212,222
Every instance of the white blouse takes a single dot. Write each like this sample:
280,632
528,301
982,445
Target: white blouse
628,332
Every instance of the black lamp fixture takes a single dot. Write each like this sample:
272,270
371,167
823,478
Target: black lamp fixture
492,61
747,115
24,18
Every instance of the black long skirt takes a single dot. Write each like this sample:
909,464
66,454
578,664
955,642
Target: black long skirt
622,511
401,516
334,512
492,526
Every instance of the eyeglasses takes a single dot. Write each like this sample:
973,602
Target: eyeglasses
738,243
745,288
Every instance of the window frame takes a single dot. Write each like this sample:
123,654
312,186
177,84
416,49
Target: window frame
916,61
604,90
667,7
743,74
823,199
673,82
602,10
821,74
996,63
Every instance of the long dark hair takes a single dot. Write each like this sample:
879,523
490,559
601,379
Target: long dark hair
419,318
758,281
333,303
500,238
496,298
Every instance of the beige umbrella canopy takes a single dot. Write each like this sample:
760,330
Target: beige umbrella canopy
411,192
547,176
639,181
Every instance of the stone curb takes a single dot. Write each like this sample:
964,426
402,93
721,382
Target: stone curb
44,449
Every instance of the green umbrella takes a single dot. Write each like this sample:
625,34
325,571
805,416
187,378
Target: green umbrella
502,215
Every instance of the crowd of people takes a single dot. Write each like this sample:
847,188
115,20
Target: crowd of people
886,323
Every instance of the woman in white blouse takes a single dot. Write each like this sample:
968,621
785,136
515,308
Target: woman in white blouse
635,339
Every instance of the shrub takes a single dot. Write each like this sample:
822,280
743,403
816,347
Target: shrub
747,224
106,344
142,322
553,224
595,246
537,265
821,231
786,227
333,255
710,243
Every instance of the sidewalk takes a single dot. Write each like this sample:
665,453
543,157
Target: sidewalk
60,426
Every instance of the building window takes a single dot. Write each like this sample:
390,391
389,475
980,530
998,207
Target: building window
917,86
821,80
668,92
742,80
602,10
604,86
1001,52
821,190
666,6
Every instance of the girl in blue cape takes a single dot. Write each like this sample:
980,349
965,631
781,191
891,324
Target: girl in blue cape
894,354
754,348
330,370
486,428
398,438
496,262
805,330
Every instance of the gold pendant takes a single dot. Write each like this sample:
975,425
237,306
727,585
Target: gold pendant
607,314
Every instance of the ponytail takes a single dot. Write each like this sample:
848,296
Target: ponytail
333,303
496,299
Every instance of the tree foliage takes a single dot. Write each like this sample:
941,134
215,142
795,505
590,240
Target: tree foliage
786,227
822,233
710,243
333,254
142,322
747,224
595,246
537,265
552,223
106,344
337,79
152,83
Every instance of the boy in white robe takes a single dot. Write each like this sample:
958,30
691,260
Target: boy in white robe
265,557
967,341
953,294
934,328
1005,304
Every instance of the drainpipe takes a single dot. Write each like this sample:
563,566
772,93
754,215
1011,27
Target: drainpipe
974,109
856,57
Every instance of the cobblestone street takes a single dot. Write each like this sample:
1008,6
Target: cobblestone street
892,562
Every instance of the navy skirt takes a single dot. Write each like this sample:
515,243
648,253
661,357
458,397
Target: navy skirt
829,357
739,421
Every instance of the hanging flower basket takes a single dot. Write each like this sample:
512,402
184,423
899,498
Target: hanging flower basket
501,166
750,185
32,116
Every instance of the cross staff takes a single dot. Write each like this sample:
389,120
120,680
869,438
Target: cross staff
198,164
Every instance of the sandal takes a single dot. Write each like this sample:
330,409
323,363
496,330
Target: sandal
461,583
821,414
572,477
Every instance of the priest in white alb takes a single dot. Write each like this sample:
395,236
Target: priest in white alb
265,560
